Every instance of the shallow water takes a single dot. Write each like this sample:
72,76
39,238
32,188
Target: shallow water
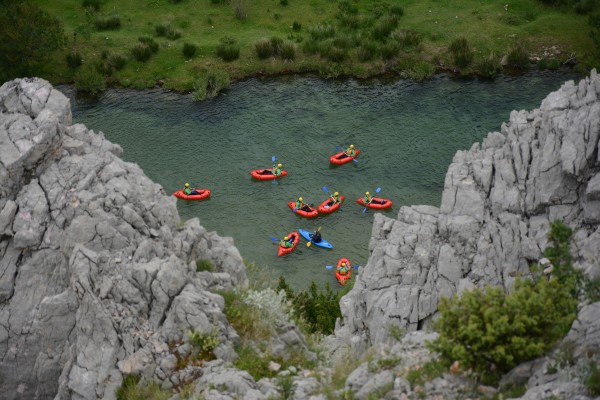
407,132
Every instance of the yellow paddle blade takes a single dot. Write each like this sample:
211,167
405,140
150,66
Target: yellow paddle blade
308,244
318,229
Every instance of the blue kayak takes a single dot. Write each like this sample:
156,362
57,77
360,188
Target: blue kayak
323,243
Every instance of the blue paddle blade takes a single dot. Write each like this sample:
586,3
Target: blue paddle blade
273,159
275,239
325,189
378,190
294,209
338,148
356,266
329,266
365,209
274,181
355,160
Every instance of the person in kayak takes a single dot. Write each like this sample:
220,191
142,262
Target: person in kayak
349,152
315,237
369,199
335,198
188,190
276,170
343,269
301,206
287,242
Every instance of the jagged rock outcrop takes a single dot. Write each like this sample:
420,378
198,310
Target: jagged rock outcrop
97,274
498,201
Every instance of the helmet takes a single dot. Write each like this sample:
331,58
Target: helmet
279,165
286,238
300,198
367,193
343,264
336,193
351,146
187,185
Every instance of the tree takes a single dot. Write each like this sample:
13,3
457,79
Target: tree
28,36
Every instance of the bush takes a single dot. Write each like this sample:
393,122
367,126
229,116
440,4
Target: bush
276,43
203,344
209,85
296,26
116,61
517,58
129,381
263,48
418,70
489,66
333,53
397,10
73,60
311,47
228,49
320,32
592,380
110,23
367,51
189,50
88,79
389,50
384,27
219,1
406,37
131,389
141,52
204,265
240,10
91,5
548,63
167,31
461,52
283,2
288,51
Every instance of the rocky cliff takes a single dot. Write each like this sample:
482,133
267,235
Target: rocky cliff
98,276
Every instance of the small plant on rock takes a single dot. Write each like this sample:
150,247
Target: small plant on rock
204,265
204,344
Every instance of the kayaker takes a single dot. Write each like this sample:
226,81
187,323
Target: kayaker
335,198
343,269
188,190
315,237
276,170
286,242
301,206
369,199
350,151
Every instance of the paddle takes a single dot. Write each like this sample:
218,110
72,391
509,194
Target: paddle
376,191
273,159
339,149
275,239
327,191
331,266
309,243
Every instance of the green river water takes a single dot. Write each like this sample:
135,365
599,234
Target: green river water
407,132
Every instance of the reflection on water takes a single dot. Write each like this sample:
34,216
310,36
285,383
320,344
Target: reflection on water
407,132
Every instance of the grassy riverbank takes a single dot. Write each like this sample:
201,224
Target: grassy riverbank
333,38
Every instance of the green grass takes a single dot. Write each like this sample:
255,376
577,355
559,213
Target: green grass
487,27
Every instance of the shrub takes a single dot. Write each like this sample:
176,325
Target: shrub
240,10
320,32
548,63
384,27
406,37
592,380
367,50
389,50
311,46
219,1
116,61
418,70
91,5
204,265
131,389
189,50
517,58
167,31
276,43
333,53
489,66
396,10
209,85
151,43
461,52
73,60
345,41
288,51
88,79
141,52
129,381
263,48
228,49
110,23
283,2
204,344
296,26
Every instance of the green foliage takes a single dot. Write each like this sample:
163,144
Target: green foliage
420,374
296,26
167,31
592,380
418,70
406,37
204,344
286,386
109,23
287,51
517,58
131,389
73,60
548,63
283,2
28,38
321,31
211,84
91,4
384,27
489,66
318,309
204,265
367,50
264,48
228,49
189,50
89,79
276,43
389,50
461,51
219,1
396,332
144,49
240,10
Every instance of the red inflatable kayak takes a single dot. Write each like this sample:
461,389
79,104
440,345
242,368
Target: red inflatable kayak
285,250
265,174
342,279
324,208
342,157
376,203
204,193
308,214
